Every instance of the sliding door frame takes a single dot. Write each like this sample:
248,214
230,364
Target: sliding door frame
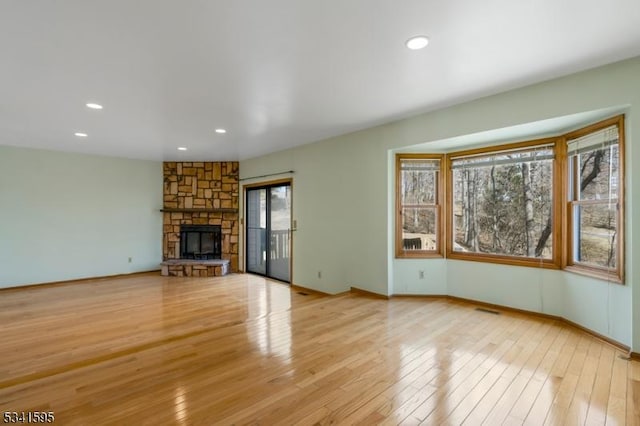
267,185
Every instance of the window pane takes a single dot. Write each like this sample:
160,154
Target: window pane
504,207
419,228
595,228
419,179
598,174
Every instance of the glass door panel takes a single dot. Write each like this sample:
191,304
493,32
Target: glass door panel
257,231
279,237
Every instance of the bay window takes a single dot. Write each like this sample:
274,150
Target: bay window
553,203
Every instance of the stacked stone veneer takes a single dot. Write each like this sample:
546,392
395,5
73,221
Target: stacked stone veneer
212,188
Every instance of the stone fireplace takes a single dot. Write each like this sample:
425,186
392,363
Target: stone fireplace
200,218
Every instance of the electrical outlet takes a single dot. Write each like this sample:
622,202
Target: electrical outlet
130,259
320,274
421,275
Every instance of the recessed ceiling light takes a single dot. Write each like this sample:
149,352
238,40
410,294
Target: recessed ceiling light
417,42
221,131
94,106
81,135
182,148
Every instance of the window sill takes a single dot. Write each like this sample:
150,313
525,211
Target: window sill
503,260
419,255
595,273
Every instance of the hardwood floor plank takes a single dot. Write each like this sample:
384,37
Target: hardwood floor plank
597,411
560,406
552,380
542,360
617,404
580,404
633,393
518,377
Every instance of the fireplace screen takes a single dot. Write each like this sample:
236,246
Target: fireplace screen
200,242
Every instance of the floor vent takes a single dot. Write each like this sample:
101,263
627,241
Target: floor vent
488,311
302,293
625,357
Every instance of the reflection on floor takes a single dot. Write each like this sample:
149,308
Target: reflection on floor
241,349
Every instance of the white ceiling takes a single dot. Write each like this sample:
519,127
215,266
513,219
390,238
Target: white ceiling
276,73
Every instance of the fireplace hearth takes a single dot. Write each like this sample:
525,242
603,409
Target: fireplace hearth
200,242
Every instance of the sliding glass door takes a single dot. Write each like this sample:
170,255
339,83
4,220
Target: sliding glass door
268,236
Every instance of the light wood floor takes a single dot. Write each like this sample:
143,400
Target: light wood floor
242,350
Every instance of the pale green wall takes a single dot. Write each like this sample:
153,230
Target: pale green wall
342,195
65,216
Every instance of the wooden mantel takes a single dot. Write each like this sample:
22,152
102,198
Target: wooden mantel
196,210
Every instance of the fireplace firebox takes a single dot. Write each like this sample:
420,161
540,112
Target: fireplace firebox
200,242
